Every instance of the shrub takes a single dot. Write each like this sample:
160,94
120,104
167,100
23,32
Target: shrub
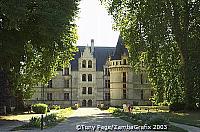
56,107
39,108
103,107
34,122
75,107
50,119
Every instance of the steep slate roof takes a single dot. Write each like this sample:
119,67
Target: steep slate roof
120,50
100,53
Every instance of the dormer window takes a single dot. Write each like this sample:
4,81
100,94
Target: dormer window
84,64
89,64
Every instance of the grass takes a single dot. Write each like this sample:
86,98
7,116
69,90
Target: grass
188,118
49,120
144,118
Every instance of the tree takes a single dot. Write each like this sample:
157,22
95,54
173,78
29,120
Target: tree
37,37
166,35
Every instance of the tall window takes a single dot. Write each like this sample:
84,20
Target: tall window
141,78
49,96
84,64
89,90
65,71
84,90
124,61
124,93
124,85
107,72
89,64
89,77
84,77
49,84
124,77
66,83
142,94
66,96
107,96
107,83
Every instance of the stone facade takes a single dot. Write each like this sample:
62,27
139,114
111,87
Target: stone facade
97,75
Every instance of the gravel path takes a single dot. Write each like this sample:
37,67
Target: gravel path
91,118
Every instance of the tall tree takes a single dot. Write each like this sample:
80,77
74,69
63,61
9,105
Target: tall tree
167,32
37,36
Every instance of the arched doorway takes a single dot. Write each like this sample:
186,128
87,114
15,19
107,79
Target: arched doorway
84,103
89,103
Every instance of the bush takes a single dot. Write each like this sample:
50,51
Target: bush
103,107
177,106
56,107
39,108
75,107
34,122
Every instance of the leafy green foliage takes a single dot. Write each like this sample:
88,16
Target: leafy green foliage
56,107
37,37
164,35
40,108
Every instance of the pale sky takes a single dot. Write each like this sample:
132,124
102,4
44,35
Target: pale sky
95,23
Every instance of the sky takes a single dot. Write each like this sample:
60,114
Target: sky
95,23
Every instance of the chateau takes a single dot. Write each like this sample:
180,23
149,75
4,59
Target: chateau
96,75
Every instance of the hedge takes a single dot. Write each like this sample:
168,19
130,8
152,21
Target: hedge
40,108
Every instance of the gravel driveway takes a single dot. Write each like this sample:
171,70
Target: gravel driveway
88,119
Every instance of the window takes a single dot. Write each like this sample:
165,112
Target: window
106,71
84,90
142,94
89,77
107,96
84,77
66,83
84,64
89,90
124,77
141,78
49,96
65,71
124,61
124,93
124,85
89,64
107,83
49,84
66,96
116,63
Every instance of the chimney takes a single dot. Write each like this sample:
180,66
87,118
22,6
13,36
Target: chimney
92,45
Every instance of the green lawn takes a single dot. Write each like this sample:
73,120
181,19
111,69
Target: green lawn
50,120
188,118
142,117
